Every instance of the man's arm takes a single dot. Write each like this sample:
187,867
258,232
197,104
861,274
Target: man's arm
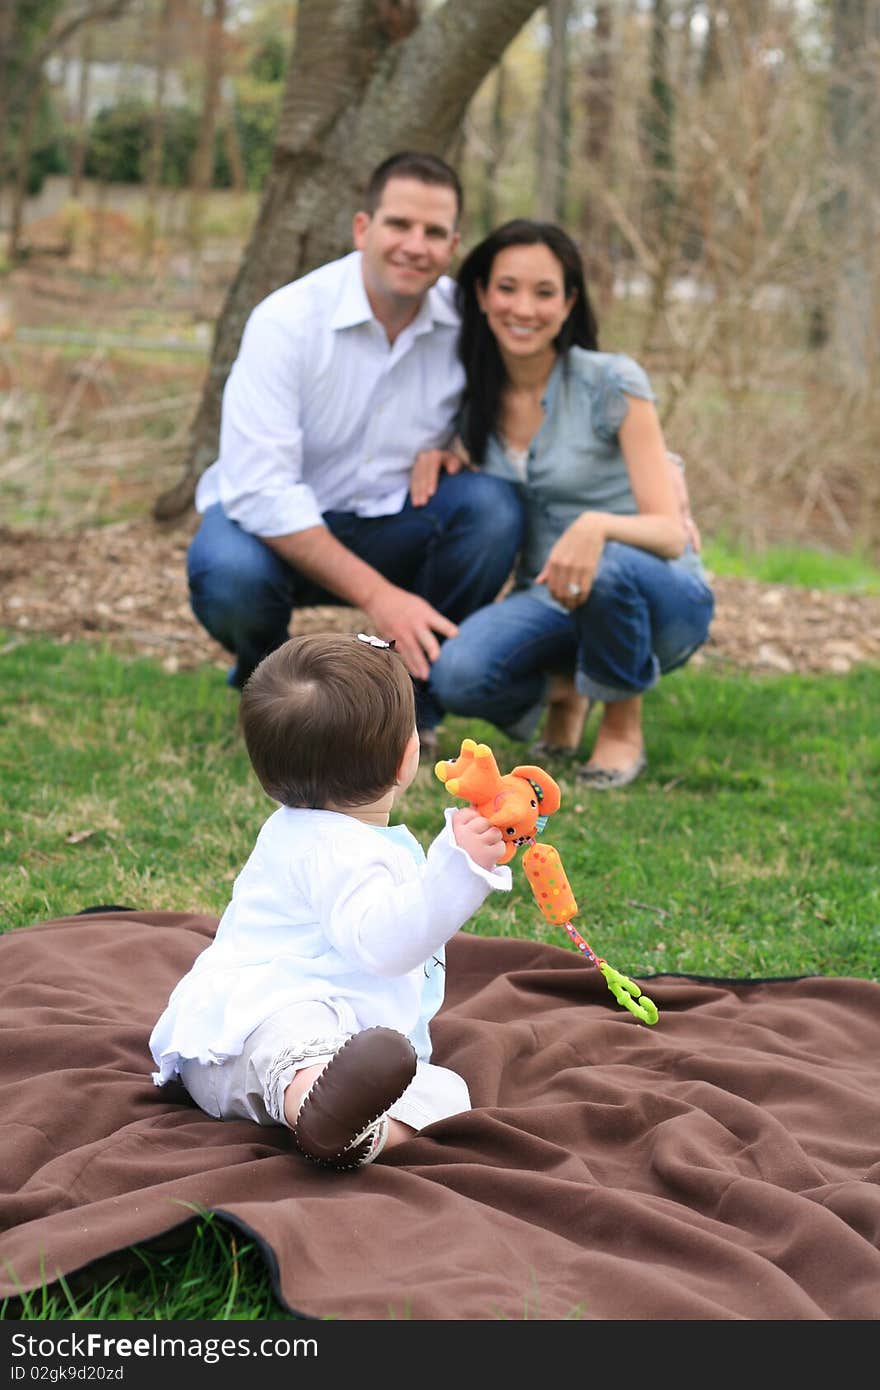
397,615
262,487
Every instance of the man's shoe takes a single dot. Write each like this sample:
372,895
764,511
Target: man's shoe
342,1123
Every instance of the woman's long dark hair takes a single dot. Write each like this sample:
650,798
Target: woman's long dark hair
485,374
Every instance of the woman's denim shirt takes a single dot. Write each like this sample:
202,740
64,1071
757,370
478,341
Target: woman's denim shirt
575,462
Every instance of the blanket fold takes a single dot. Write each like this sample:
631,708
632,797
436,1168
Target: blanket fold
723,1164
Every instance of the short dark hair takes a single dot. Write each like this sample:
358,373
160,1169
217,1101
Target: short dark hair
412,164
326,719
485,375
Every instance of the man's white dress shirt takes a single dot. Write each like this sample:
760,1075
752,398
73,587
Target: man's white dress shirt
321,413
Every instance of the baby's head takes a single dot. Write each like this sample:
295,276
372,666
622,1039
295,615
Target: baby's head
326,719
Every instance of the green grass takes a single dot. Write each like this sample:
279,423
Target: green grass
216,1277
748,849
810,569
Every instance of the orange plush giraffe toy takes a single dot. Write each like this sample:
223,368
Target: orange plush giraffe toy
515,803
519,804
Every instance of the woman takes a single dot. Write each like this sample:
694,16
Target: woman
609,582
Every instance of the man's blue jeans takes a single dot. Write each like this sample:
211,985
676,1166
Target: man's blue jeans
457,552
644,616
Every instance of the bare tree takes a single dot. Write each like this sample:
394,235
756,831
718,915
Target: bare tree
202,168
161,60
852,217
56,32
26,132
366,78
553,117
657,135
29,35
232,146
78,152
596,224
494,151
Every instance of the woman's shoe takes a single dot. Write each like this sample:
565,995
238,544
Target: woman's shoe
342,1121
606,779
429,746
567,713
542,749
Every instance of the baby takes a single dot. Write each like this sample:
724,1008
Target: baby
312,1006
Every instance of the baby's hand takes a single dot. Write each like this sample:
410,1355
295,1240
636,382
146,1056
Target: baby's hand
477,837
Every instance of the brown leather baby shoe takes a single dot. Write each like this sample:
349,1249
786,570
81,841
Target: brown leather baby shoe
341,1120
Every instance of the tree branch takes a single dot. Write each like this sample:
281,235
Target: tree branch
61,30
334,48
427,81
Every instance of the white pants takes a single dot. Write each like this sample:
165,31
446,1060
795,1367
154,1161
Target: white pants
252,1085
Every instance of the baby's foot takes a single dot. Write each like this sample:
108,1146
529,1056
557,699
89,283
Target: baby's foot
342,1121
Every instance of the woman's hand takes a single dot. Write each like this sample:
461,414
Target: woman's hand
692,531
477,837
569,569
428,466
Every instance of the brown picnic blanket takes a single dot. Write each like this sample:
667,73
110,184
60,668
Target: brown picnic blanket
723,1164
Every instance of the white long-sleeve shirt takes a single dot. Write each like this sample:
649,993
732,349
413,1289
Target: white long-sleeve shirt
321,414
326,908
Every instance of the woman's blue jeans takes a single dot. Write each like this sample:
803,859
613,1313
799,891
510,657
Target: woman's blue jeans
643,617
457,552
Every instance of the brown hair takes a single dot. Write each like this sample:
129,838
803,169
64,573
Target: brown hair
412,164
326,719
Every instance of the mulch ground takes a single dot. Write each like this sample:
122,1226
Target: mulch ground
125,585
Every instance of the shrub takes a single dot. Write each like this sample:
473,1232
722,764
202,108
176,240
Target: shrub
121,138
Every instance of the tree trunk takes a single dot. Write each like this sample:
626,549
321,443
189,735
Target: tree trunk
233,151
25,147
162,58
156,153
494,152
658,226
852,218
7,38
78,154
710,59
657,130
596,226
353,96
553,118
202,168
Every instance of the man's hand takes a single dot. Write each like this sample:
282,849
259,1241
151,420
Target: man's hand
396,614
426,472
477,837
410,622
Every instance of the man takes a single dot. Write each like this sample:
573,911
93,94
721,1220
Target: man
342,378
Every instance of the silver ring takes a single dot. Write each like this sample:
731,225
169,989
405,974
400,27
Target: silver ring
574,590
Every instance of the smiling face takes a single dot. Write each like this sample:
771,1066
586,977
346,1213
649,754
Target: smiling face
408,242
525,302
